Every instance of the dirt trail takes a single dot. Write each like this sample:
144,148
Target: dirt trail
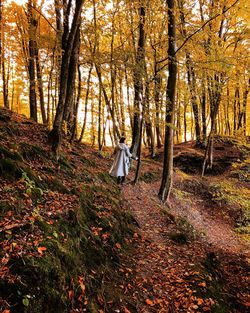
210,224
166,275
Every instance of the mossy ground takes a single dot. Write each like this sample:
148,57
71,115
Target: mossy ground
63,223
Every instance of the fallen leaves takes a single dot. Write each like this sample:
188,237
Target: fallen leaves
41,250
118,245
81,283
149,302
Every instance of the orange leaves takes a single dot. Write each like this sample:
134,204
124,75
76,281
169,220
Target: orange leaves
41,250
71,294
118,246
149,302
200,301
80,281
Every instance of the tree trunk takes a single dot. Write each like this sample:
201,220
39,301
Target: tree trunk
2,60
190,77
86,103
236,101
203,111
157,90
147,118
100,119
122,109
77,102
107,102
31,64
40,84
138,87
167,175
67,45
244,109
70,98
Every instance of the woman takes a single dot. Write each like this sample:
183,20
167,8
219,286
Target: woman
121,162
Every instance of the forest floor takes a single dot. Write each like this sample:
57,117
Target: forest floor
70,244
189,256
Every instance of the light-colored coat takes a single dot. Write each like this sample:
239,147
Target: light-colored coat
121,162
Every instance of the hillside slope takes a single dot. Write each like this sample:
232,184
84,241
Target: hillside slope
63,225
70,244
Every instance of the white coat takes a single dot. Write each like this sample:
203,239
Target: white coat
121,162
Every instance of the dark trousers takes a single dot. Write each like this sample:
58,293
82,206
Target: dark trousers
120,180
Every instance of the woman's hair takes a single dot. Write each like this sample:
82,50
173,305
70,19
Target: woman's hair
122,139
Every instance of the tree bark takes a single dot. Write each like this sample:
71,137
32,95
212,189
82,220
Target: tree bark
2,60
167,175
203,110
40,84
190,77
157,90
86,103
67,47
31,64
138,87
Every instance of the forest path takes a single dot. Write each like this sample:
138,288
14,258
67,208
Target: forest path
167,273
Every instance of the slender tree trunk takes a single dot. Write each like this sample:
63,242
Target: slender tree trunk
100,118
203,110
190,76
77,102
236,101
31,64
128,97
40,84
244,108
2,60
93,130
214,89
138,78
227,119
147,118
167,175
157,90
86,103
107,102
185,120
122,109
